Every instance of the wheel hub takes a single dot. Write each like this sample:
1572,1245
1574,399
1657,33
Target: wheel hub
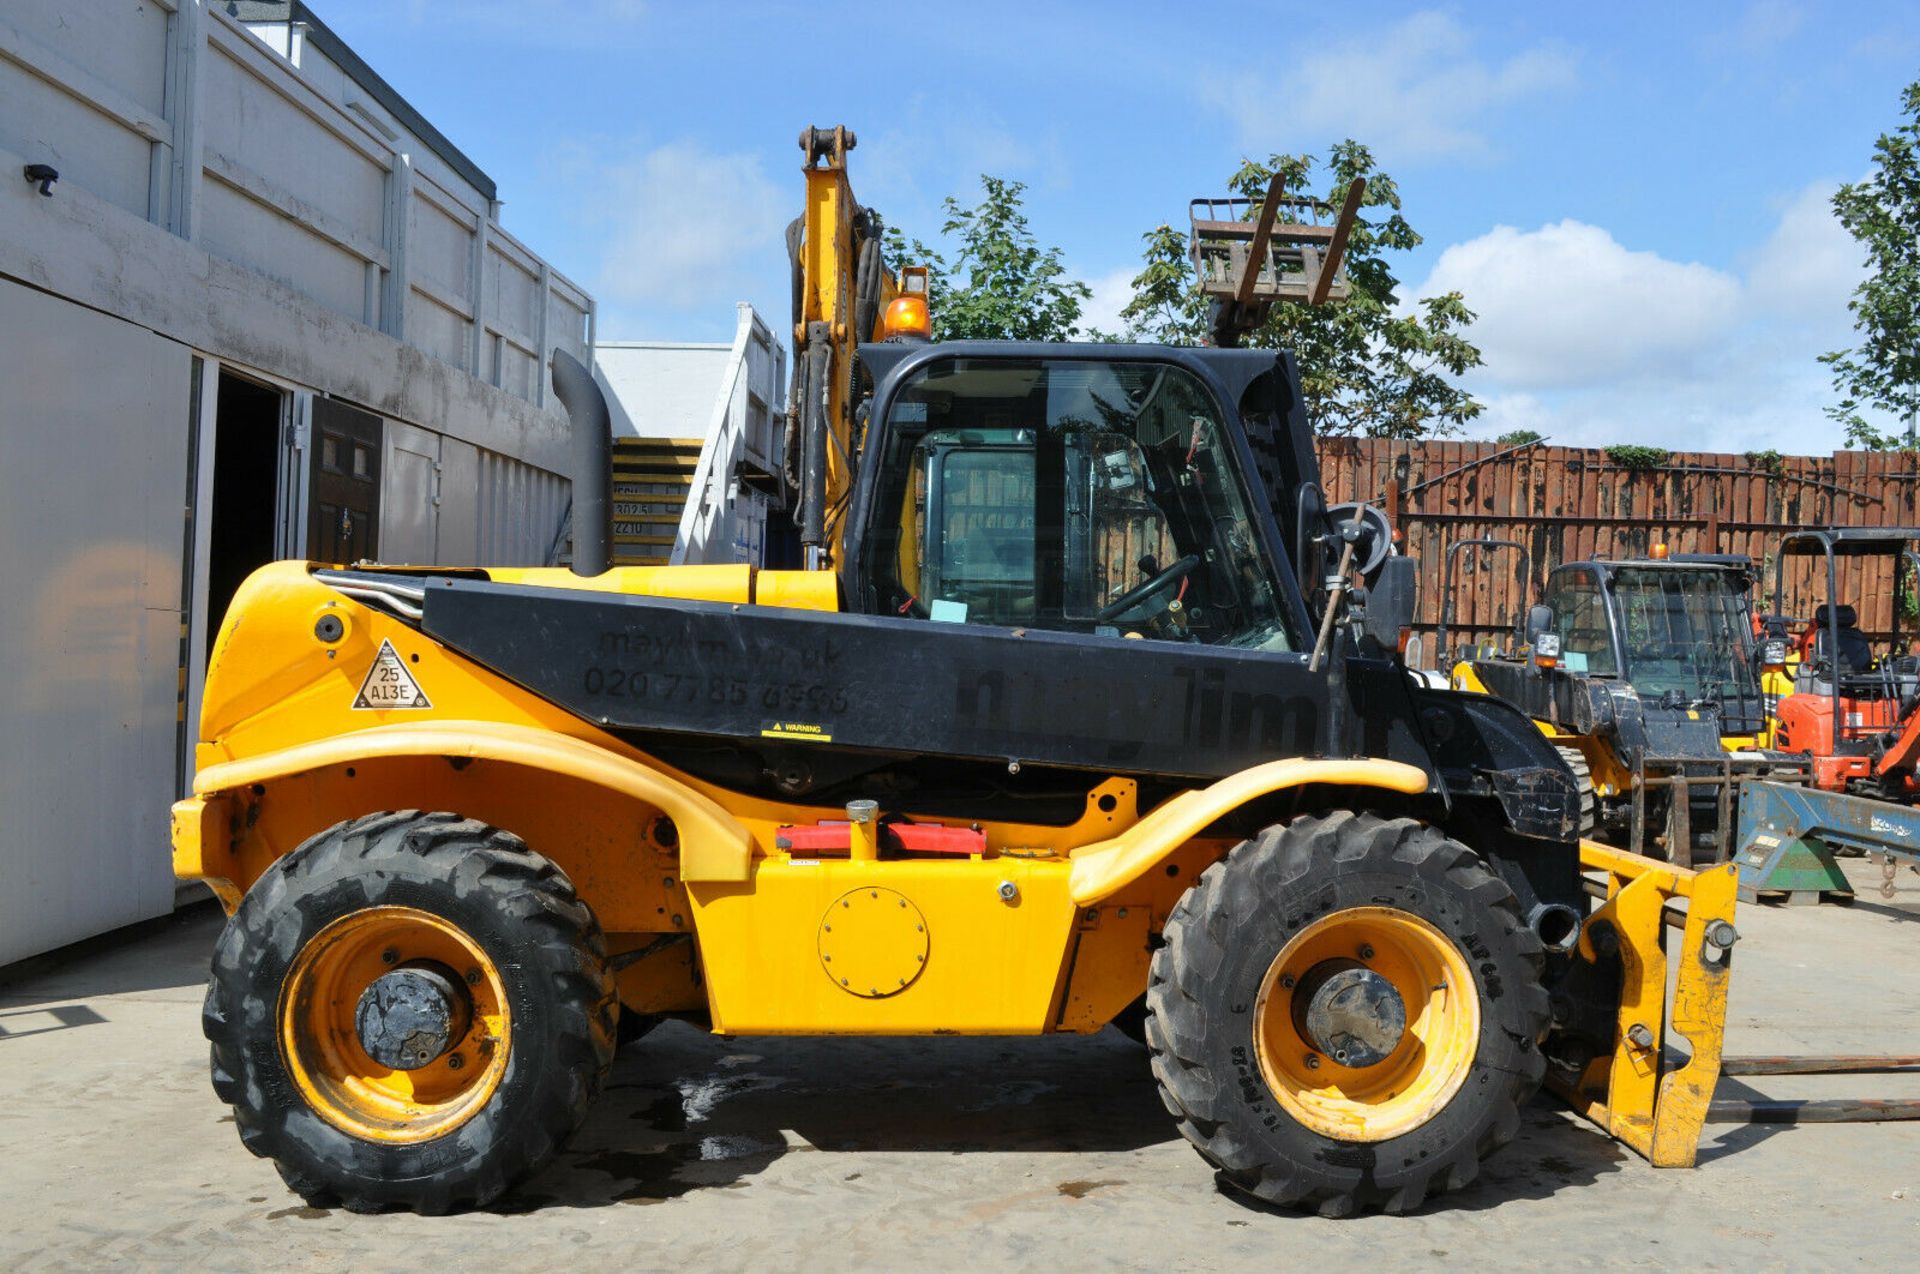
1350,1013
410,1017
1367,1023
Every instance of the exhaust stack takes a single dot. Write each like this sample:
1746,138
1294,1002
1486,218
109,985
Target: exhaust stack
592,429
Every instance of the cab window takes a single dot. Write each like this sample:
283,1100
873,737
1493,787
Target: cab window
1580,617
1081,496
982,528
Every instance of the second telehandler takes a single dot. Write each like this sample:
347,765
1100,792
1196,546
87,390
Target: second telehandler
1646,676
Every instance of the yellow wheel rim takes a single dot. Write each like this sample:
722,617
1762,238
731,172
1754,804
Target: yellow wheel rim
321,1045
1419,1077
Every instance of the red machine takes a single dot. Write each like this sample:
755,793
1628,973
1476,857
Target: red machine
1854,715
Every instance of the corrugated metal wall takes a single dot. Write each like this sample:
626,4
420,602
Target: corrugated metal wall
522,512
1567,503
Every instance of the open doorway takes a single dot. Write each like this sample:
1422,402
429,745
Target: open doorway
246,489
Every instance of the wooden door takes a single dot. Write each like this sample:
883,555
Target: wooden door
343,518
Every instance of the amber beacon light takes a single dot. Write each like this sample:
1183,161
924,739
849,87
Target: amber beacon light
907,316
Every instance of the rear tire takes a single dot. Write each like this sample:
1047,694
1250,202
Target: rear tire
1346,1140
399,891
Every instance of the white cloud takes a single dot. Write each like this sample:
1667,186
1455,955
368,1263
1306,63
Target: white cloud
1111,292
1593,343
1810,264
1568,305
686,228
1764,25
1731,411
1415,91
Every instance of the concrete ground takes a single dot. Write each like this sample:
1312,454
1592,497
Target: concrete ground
942,1154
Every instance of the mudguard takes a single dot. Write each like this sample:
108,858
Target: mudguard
714,845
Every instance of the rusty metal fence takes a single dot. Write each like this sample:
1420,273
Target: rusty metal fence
1567,503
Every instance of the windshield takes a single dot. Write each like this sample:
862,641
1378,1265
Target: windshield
1686,631
1085,496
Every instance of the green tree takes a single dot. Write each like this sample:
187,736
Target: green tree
1519,437
999,284
900,251
1882,372
1166,308
1366,367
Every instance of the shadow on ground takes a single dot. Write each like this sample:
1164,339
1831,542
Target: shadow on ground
1888,910
159,955
685,1112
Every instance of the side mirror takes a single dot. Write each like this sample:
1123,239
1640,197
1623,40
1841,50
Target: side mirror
1310,523
1388,620
1542,637
1539,621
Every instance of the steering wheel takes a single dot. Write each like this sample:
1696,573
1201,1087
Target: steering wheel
1134,596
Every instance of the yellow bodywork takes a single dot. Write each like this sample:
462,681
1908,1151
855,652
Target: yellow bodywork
1101,869
284,754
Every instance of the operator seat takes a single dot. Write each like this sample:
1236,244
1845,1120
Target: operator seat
1855,654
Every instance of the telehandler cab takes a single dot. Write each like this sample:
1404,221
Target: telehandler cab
1645,675
1051,734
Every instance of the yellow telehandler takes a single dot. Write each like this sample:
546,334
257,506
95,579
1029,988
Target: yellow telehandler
1079,713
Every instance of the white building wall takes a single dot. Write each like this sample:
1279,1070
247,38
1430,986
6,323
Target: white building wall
181,118
218,202
660,389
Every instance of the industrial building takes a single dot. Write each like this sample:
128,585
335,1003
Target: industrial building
252,305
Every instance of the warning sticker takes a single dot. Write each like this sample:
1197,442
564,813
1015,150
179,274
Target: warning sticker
389,684
805,731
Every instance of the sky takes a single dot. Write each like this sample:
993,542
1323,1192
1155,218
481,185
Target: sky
1633,198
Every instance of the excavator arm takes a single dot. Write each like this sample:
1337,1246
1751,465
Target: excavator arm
842,290
1901,754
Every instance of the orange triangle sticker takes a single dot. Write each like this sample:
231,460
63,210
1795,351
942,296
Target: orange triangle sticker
389,685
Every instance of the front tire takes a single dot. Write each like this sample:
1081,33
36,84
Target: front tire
1256,1084
473,954
1132,1021
1583,784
